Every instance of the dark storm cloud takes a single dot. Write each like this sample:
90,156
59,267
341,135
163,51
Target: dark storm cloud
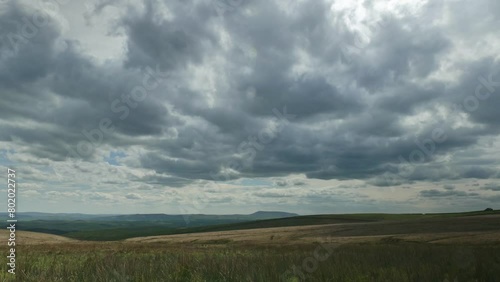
478,93
172,44
65,91
228,73
449,187
163,180
26,45
402,50
491,186
436,193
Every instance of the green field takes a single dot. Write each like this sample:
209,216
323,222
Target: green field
354,247
355,262
107,230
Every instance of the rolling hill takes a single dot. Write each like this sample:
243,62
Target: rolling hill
119,227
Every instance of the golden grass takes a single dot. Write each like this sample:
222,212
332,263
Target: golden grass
464,249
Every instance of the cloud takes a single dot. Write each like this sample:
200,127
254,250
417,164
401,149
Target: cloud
133,196
449,187
491,186
433,193
195,95
271,194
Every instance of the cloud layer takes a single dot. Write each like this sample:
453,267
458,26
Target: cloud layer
289,97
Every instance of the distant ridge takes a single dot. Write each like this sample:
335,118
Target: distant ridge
227,218
271,214
119,227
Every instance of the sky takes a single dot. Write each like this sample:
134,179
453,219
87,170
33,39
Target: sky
235,106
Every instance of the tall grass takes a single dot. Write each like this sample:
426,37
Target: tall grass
223,262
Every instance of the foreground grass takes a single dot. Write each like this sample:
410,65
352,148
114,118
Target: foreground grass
222,262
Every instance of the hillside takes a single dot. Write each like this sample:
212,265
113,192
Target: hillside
130,226
116,227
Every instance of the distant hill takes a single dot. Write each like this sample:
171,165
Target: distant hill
271,214
159,217
118,227
53,216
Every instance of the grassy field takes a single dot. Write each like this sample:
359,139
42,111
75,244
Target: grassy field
105,230
399,248
221,262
